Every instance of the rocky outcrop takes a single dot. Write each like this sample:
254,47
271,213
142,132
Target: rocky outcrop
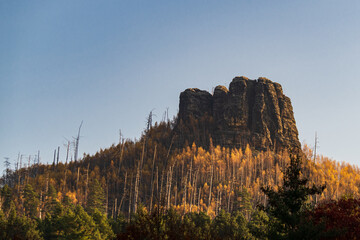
254,112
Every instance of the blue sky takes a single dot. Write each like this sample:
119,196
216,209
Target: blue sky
109,63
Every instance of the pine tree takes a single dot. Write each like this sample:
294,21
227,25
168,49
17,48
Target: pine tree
196,226
20,227
96,198
3,223
102,225
259,224
6,196
31,201
287,205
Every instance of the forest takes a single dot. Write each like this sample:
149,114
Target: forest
160,188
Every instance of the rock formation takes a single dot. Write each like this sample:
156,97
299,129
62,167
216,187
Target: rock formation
254,112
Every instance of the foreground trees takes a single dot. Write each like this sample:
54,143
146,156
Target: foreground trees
286,215
341,218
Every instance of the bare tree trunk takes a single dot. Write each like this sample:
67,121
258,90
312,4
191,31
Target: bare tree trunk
169,191
229,199
136,193
199,199
166,189
57,158
114,213
28,170
67,152
40,205
168,154
77,184
185,185
17,167
152,181
87,183
193,190
157,183
191,193
211,182
54,158
161,189
129,215
121,155
124,194
231,188
77,143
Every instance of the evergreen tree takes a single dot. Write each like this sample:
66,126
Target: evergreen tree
96,198
79,225
243,202
173,223
2,225
147,226
224,227
259,224
197,226
31,201
118,225
6,196
21,227
53,225
287,205
102,225
242,230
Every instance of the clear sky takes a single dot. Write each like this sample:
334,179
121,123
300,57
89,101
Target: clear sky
109,63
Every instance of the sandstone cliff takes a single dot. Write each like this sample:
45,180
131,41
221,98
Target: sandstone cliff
254,112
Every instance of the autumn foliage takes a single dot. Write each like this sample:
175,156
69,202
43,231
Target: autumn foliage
156,172
342,216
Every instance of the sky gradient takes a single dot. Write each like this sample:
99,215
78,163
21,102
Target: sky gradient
109,63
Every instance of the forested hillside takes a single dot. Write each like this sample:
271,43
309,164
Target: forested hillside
154,173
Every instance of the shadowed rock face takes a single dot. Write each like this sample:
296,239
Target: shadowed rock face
254,112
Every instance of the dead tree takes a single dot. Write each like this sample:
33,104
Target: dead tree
87,183
184,198
77,139
54,157
136,192
7,169
67,152
77,183
160,199
152,181
131,180
57,159
211,182
121,155
124,194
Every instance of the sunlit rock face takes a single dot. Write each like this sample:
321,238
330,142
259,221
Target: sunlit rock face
254,112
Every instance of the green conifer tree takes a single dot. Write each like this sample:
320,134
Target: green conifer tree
197,226
287,205
6,196
96,198
102,225
31,201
